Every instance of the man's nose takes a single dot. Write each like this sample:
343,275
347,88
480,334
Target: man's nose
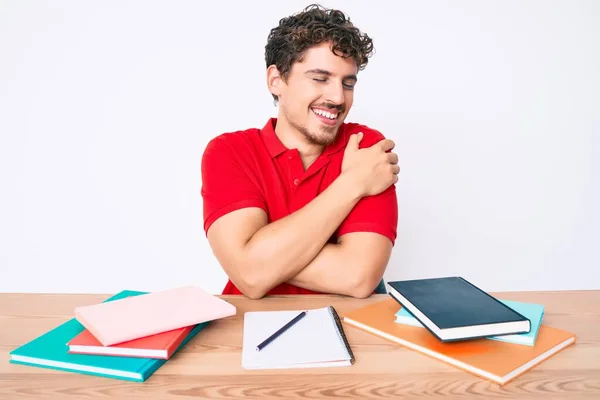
335,94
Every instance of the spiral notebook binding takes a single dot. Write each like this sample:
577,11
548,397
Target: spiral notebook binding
341,333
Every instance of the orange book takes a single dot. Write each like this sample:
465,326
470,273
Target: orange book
161,345
499,362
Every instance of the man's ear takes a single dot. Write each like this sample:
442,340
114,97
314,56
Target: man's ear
274,80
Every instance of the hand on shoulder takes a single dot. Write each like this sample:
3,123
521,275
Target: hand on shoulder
370,163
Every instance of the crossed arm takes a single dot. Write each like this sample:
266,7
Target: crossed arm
354,266
258,256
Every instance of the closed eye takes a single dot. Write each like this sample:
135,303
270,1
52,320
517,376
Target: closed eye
349,86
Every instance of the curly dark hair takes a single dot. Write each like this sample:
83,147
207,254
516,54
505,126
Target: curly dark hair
314,25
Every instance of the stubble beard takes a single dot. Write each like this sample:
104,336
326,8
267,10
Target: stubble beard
329,136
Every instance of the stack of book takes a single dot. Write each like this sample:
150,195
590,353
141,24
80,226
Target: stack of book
454,321
128,336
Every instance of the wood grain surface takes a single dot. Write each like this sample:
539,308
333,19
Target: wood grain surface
210,365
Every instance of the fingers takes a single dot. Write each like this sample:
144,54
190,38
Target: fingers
392,158
395,171
386,144
354,141
359,137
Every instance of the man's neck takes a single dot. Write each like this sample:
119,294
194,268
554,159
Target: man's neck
293,139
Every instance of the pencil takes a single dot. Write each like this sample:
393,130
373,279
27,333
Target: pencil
280,331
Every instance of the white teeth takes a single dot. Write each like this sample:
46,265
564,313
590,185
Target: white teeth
324,113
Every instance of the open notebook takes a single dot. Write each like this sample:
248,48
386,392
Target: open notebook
317,340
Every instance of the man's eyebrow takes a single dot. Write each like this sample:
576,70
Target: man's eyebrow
327,73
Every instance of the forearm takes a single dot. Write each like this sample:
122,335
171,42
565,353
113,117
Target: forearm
346,268
332,271
281,249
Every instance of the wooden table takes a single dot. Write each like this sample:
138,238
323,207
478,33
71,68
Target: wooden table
210,365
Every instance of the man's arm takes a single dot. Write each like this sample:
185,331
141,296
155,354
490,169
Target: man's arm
258,256
353,267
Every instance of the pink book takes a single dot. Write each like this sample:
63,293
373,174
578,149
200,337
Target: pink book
135,317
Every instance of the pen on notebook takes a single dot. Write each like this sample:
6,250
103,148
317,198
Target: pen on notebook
280,331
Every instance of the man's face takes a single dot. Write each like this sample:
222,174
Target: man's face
318,94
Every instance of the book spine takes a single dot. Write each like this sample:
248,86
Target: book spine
341,333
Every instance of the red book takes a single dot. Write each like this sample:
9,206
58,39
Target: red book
161,345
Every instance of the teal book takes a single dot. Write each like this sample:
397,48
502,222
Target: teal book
50,350
531,311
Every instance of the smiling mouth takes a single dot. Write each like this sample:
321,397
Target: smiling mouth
331,115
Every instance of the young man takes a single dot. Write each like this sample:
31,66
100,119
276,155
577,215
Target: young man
307,204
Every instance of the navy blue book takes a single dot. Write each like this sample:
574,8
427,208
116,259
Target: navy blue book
454,309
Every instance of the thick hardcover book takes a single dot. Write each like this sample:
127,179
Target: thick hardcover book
454,309
535,313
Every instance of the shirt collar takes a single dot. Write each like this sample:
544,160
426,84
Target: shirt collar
275,147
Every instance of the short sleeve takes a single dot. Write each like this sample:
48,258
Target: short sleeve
377,213
228,183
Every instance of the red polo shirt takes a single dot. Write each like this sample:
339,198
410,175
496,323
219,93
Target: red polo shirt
252,168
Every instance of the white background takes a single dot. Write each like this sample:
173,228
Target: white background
106,107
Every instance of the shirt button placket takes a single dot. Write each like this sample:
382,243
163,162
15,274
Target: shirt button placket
294,168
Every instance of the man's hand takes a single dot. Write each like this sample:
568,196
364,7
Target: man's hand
374,169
